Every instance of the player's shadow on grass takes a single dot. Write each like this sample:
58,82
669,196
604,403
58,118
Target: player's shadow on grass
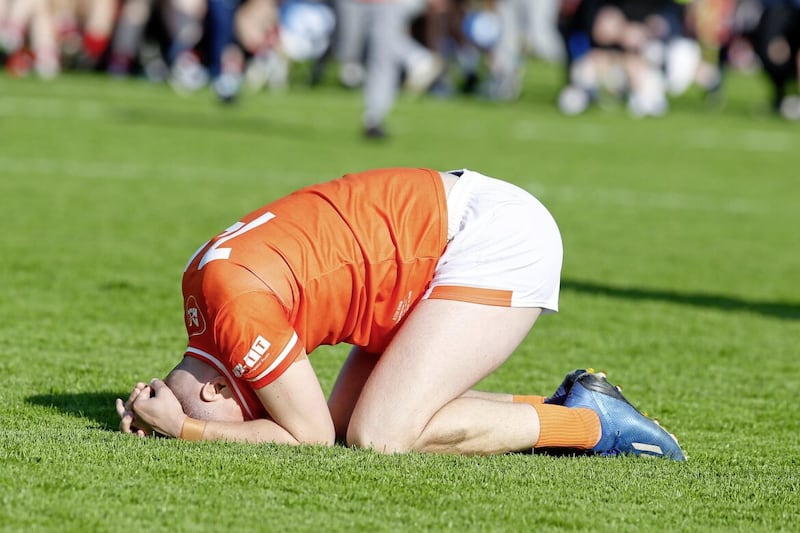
96,406
783,310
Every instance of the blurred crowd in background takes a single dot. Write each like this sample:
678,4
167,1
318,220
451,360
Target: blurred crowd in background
637,52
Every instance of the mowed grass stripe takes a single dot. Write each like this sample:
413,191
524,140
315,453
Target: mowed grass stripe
596,195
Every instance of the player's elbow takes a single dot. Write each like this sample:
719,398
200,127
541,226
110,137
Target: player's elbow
322,435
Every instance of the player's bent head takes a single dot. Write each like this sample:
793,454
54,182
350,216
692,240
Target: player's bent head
203,393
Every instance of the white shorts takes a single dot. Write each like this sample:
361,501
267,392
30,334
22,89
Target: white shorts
504,247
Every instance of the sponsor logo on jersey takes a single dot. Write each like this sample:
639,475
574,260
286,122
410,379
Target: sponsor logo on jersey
195,321
402,308
253,357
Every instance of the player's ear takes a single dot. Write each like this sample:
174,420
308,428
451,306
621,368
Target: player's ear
214,389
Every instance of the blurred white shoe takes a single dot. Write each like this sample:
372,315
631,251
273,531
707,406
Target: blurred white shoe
47,64
573,100
351,74
11,38
683,60
187,74
790,108
423,74
267,69
650,99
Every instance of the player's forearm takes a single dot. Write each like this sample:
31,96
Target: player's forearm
254,431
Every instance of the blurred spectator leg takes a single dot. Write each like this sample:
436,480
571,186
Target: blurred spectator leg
437,17
99,17
581,90
65,13
774,52
505,63
127,38
385,23
542,30
44,43
226,60
436,14
256,28
712,23
591,31
648,89
790,107
645,75
776,43
422,66
467,55
350,39
185,18
389,48
19,14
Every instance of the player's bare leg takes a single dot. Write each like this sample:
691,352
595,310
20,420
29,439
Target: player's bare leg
414,399
350,382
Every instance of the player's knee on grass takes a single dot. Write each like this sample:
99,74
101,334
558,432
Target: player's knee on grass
363,436
384,433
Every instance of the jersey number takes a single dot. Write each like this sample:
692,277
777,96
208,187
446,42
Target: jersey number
216,251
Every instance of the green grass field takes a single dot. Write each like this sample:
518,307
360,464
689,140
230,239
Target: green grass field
681,280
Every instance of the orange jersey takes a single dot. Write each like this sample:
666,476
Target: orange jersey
342,261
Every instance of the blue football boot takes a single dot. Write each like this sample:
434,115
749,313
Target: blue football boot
562,391
624,429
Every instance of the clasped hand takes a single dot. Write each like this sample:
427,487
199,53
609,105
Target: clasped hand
150,409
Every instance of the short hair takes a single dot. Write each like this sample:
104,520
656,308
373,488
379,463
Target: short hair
186,381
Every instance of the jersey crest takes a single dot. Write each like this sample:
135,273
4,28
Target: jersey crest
195,321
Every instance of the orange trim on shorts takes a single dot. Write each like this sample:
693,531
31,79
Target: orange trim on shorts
472,294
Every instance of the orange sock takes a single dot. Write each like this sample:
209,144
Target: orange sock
567,427
529,399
